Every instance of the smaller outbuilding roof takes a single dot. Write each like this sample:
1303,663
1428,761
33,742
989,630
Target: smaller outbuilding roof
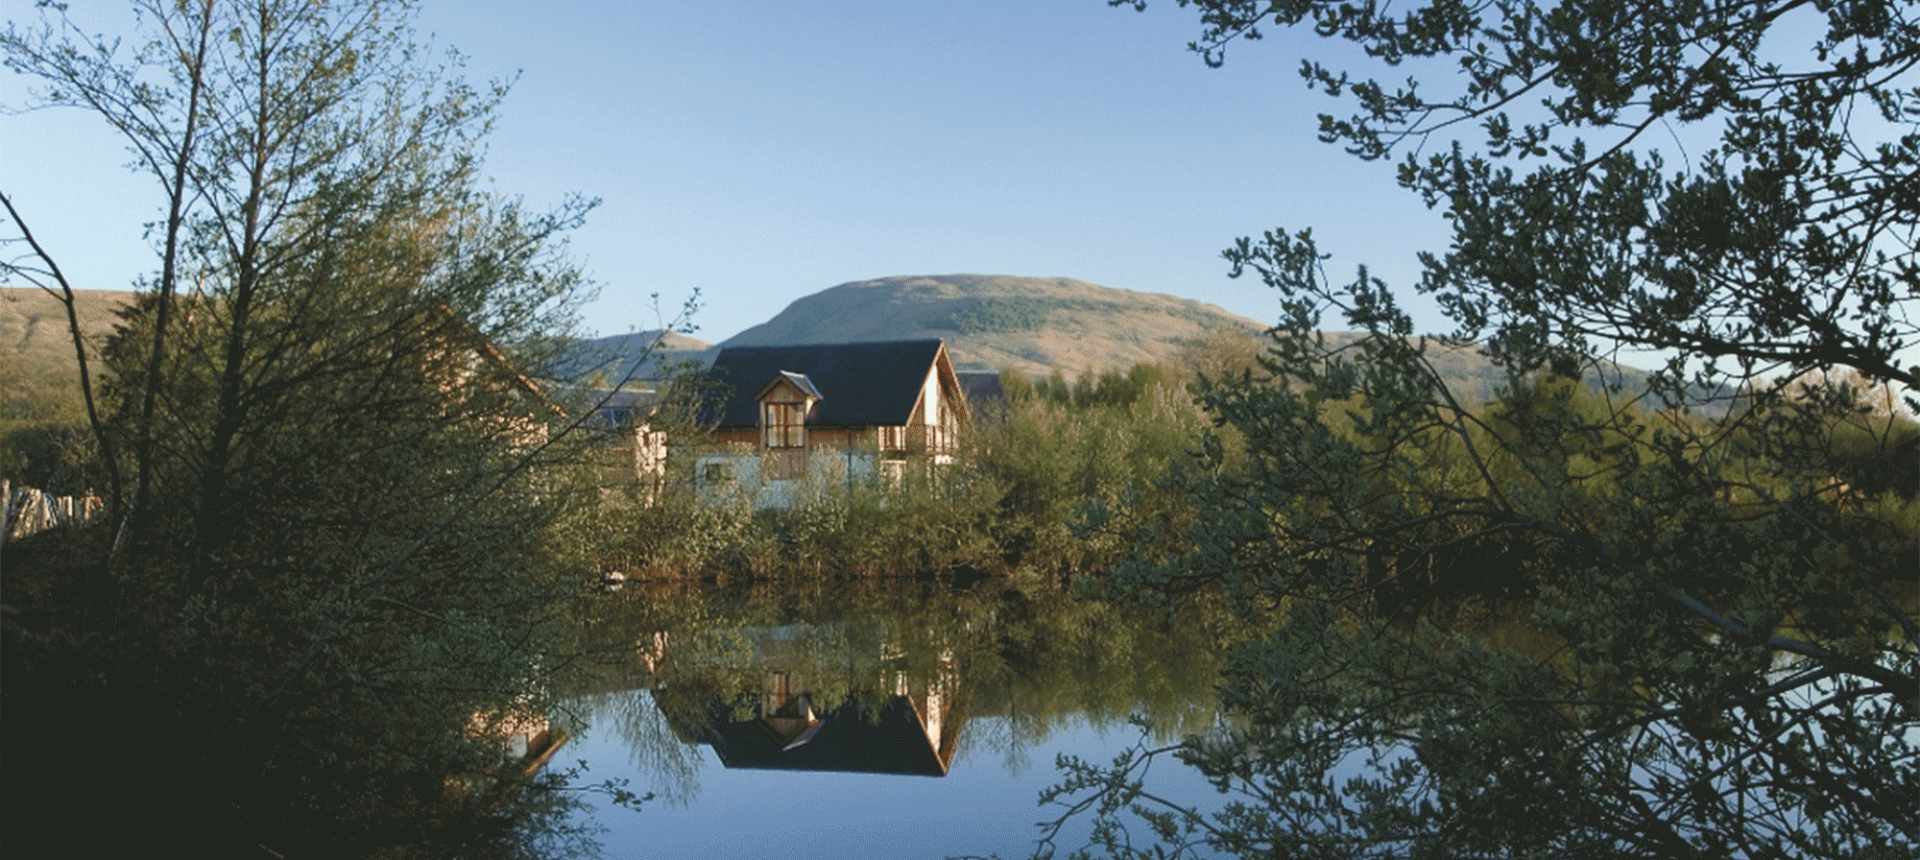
982,387
617,407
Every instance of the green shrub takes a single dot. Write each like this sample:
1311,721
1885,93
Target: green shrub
996,315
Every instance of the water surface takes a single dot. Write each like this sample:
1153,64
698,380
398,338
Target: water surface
898,720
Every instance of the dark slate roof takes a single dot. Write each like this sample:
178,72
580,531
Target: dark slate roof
982,387
850,739
614,408
860,384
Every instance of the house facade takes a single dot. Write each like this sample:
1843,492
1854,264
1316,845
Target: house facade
830,411
623,418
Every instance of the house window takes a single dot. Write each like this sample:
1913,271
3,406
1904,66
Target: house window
940,433
785,425
892,438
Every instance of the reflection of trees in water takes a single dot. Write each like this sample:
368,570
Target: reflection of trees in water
994,670
672,766
1056,660
637,646
1003,737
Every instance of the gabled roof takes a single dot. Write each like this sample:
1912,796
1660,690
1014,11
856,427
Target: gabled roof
797,380
862,384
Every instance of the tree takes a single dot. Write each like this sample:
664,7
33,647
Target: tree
1784,244
1707,648
338,545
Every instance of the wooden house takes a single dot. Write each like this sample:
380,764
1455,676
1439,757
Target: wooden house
851,408
623,418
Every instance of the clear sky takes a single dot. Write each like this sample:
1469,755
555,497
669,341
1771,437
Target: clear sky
762,150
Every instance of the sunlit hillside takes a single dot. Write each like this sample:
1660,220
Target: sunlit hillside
994,322
37,368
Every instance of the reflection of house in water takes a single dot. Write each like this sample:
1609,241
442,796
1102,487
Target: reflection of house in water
891,721
527,741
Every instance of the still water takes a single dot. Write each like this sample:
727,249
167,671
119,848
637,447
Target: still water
880,720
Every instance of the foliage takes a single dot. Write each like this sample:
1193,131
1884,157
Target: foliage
1221,352
1109,388
1579,623
999,314
1557,625
843,523
49,454
42,421
338,533
1784,244
43,416
1061,454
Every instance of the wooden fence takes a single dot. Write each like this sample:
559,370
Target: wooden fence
30,511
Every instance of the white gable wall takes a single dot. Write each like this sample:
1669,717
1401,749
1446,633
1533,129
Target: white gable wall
930,397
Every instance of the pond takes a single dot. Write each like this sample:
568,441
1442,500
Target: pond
879,719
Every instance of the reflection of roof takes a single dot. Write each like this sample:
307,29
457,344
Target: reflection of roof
871,383
849,739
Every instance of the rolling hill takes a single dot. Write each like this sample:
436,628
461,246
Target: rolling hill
39,379
1039,325
990,322
34,340
994,322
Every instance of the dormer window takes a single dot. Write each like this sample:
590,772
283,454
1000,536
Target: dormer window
785,405
785,424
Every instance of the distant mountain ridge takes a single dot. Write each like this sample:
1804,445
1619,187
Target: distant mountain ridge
36,348
1040,325
990,322
995,322
638,355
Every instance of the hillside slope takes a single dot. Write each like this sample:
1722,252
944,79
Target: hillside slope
1039,325
34,341
992,322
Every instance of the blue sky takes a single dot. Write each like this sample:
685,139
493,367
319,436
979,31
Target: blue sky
760,151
